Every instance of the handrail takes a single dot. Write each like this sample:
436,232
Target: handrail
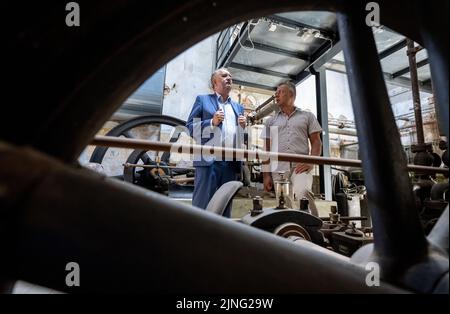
110,141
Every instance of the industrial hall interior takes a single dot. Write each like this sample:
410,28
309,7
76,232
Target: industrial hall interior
206,148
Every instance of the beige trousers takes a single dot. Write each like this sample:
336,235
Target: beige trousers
301,187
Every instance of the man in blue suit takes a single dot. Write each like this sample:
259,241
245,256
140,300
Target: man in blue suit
215,120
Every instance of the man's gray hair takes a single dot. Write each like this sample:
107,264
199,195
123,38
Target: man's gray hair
291,87
214,74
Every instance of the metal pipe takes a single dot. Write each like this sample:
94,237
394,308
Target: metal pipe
265,111
411,52
342,132
322,117
109,141
345,125
262,110
349,144
399,238
345,218
182,180
128,165
413,126
434,29
265,103
429,109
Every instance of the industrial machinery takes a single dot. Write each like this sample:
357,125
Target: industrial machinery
336,233
131,240
152,170
160,175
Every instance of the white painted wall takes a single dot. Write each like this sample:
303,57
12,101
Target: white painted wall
338,95
187,76
306,95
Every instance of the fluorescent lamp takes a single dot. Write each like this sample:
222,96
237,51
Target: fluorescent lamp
272,27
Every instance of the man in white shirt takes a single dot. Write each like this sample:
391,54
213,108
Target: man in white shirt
290,131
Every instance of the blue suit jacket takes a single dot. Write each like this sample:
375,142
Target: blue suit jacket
199,124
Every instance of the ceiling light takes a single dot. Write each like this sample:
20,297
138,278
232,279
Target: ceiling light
301,32
272,27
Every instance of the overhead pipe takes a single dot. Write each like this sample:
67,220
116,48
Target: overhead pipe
270,99
263,110
109,141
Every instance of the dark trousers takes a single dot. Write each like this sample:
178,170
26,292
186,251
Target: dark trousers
208,179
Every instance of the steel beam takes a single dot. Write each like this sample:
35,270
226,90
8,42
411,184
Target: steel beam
327,52
398,234
242,37
407,69
260,70
394,48
278,51
254,85
339,66
322,116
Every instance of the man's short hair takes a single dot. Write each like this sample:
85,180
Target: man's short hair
214,74
291,87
